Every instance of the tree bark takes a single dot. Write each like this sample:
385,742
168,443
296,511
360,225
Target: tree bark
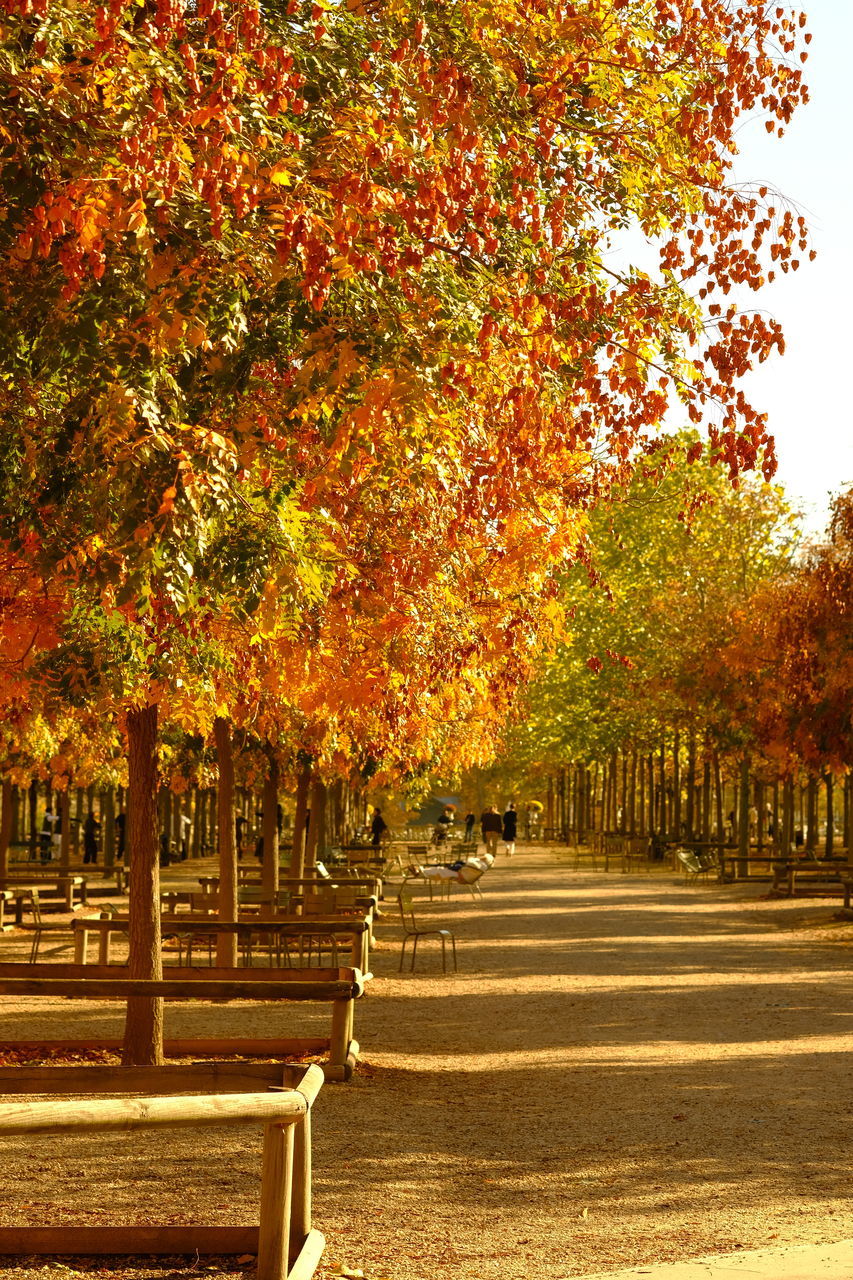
64,798
690,815
108,821
297,853
830,817
743,819
676,786
811,815
33,804
270,809
143,1029
5,826
226,943
317,826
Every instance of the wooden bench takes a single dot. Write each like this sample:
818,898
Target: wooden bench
351,931
791,871
65,886
286,1244
340,987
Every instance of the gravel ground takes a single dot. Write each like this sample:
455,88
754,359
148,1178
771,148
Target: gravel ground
625,1070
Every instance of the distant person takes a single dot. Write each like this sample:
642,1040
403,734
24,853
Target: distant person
91,832
491,827
48,827
470,819
121,828
510,829
378,827
186,826
240,825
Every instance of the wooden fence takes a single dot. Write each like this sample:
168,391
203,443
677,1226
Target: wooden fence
287,1246
341,987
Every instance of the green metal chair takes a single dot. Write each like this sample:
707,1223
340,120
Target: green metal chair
411,930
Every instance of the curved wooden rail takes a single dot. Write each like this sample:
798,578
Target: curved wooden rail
287,1246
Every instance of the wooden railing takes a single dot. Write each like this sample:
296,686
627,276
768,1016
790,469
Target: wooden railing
339,987
287,1246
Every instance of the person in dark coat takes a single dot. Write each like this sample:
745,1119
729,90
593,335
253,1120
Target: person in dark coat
470,819
491,827
510,829
378,827
91,831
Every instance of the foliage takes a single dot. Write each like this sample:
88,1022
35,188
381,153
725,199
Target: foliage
673,568
312,360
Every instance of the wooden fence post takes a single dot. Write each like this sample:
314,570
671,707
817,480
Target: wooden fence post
276,1196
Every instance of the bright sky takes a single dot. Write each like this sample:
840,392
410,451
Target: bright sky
807,393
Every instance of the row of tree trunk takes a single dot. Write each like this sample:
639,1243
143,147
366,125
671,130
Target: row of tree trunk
198,822
684,791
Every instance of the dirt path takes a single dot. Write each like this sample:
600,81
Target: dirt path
626,1069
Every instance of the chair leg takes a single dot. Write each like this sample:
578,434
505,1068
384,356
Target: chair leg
443,955
414,951
453,945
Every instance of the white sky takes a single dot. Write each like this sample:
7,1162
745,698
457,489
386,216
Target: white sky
807,392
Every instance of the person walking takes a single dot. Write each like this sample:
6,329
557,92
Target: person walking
470,819
91,831
491,827
48,827
378,827
510,829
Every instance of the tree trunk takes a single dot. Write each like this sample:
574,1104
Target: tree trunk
641,782
226,943
198,821
788,817
718,795
676,786
270,810
15,816
632,795
34,832
743,820
690,815
64,798
830,816
108,820
811,815
297,853
143,1028
5,826
706,800
317,826
212,822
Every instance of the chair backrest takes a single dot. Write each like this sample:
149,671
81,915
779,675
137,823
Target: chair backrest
321,902
407,912
689,860
469,875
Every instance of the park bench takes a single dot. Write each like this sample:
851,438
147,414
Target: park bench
48,885
285,1241
92,871
338,986
788,873
348,932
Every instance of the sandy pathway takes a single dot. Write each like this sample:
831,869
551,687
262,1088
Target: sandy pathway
626,1069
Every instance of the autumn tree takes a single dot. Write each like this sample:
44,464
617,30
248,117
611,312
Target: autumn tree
311,345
